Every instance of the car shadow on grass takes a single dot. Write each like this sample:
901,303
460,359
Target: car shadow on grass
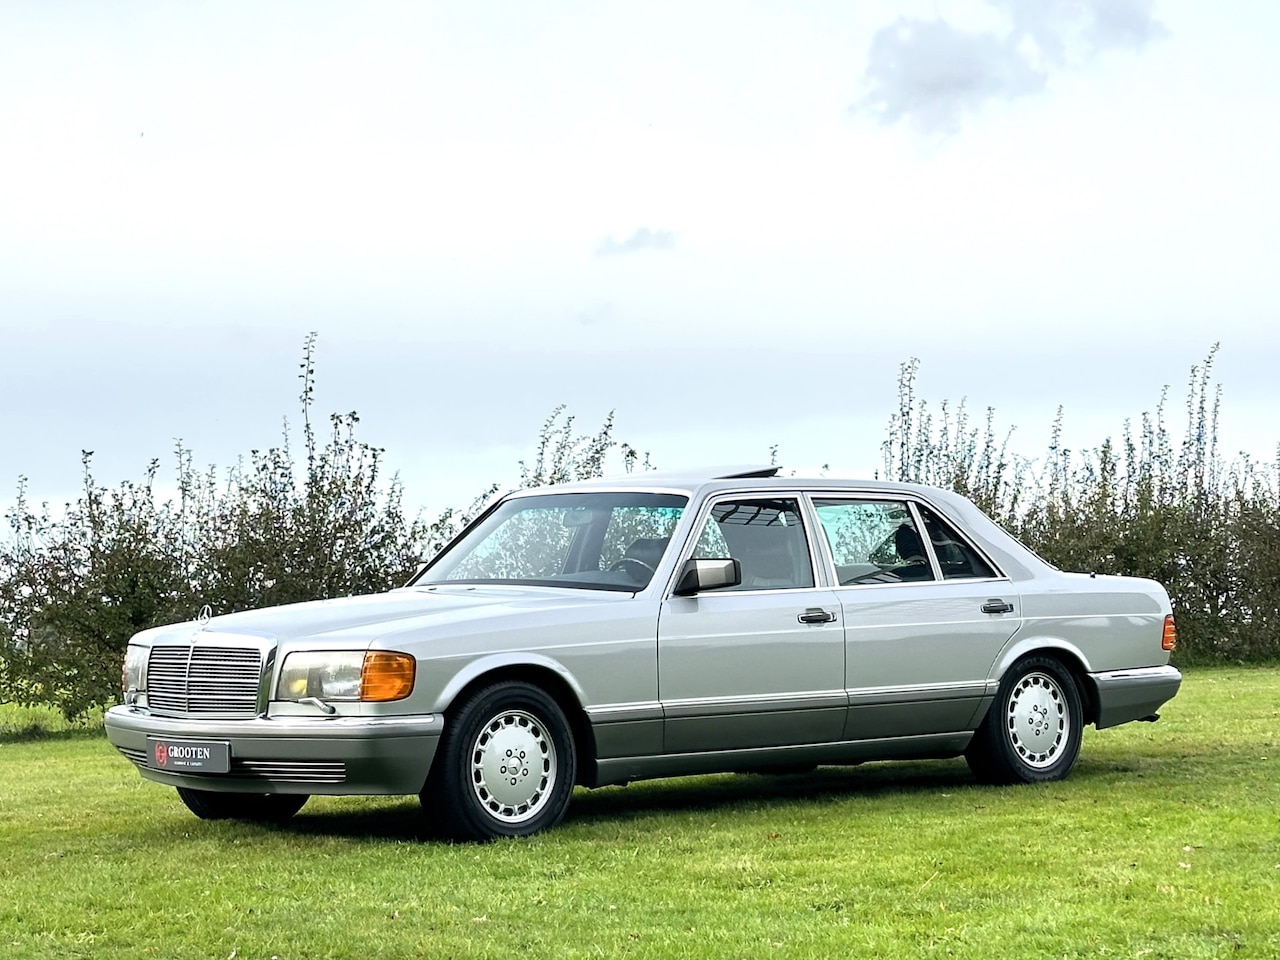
726,791
400,819
394,819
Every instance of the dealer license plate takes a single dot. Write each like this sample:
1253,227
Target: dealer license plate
188,756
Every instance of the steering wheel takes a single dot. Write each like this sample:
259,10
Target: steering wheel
621,564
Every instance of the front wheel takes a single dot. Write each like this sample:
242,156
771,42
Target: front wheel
258,807
505,765
1031,734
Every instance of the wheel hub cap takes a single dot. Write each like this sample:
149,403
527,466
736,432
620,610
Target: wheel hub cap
513,766
1037,721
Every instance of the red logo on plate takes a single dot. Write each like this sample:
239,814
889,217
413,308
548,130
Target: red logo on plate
162,754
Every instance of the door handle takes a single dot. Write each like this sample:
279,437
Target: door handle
997,606
817,615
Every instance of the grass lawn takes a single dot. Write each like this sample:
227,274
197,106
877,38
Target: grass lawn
1164,843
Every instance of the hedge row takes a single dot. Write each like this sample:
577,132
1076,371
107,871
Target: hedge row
1177,512
75,585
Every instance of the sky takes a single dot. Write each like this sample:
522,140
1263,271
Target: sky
730,223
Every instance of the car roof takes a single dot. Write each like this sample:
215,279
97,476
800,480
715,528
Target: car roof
712,479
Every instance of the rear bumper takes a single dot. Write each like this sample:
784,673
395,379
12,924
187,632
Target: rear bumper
1125,695
340,755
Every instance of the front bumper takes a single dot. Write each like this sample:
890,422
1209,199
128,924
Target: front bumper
1136,694
331,756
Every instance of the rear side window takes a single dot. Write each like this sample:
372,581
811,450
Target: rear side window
873,541
957,559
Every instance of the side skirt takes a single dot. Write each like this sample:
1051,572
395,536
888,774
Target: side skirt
931,747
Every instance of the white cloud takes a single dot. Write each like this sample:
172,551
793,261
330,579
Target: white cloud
933,74
447,193
642,239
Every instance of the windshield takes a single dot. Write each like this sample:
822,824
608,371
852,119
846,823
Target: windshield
600,541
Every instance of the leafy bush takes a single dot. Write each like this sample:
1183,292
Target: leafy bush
1178,513
75,586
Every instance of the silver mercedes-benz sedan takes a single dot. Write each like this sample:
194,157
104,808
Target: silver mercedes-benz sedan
652,626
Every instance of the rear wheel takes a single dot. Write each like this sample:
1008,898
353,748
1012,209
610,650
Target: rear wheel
259,807
1031,734
505,765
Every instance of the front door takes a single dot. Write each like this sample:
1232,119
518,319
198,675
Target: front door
760,664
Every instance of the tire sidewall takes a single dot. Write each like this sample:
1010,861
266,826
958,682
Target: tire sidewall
465,816
1009,767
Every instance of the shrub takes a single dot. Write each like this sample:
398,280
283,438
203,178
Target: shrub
1178,513
75,587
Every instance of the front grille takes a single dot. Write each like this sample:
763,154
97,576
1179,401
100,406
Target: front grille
204,681
137,756
272,771
291,771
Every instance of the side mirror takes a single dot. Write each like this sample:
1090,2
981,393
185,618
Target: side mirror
699,575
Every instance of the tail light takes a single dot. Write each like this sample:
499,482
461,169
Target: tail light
1170,639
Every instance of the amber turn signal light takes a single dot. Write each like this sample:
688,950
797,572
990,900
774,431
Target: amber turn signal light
386,676
1170,639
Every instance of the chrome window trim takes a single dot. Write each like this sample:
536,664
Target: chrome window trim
822,545
913,502
925,540
918,583
958,530
558,490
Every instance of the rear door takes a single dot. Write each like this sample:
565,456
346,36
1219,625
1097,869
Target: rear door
925,615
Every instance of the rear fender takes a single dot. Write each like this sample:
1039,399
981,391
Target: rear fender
1020,645
1071,656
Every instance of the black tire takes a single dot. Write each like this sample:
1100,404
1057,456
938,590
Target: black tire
258,807
475,792
1031,734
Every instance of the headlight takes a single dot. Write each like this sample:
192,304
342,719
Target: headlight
376,676
133,674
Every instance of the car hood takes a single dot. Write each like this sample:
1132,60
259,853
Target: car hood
358,621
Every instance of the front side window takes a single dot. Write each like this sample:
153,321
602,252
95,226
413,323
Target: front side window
873,541
765,536
604,541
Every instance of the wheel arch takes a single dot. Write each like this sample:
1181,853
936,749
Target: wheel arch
1068,654
541,672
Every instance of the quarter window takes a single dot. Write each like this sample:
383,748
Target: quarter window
956,558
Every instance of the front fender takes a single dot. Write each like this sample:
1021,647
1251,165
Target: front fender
495,662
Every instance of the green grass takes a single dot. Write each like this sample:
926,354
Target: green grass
37,723
1164,843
